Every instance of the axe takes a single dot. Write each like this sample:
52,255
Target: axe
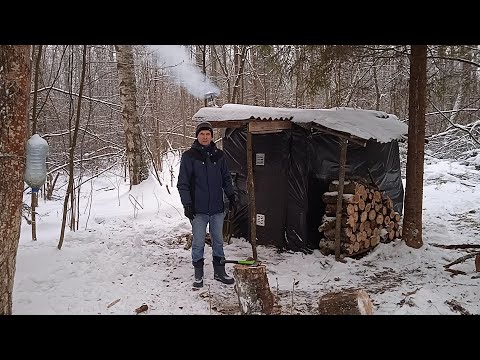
248,261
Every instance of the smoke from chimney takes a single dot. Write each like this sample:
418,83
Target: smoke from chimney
176,61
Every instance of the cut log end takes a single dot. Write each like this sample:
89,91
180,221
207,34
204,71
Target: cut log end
253,290
347,302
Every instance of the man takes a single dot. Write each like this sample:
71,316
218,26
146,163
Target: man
202,179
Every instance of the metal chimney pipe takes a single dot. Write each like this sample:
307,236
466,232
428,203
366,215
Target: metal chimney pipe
211,96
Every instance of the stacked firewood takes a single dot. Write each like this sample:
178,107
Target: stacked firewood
368,218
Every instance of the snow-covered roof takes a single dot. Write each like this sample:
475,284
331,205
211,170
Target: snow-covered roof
363,124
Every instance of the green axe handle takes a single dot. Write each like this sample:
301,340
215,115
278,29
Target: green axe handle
242,262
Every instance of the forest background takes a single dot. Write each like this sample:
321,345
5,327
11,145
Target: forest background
302,76
81,94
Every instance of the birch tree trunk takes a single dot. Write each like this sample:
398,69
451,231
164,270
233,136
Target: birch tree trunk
15,76
412,221
137,165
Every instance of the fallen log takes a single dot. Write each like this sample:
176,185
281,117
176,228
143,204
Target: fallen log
347,302
456,272
455,306
461,259
457,246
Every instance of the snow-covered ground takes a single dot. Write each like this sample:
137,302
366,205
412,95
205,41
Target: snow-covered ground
123,256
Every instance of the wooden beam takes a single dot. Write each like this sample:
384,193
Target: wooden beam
229,123
263,127
341,135
254,126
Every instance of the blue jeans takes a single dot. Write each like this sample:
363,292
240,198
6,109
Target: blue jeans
199,230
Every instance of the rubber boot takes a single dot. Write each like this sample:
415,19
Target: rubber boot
219,271
198,267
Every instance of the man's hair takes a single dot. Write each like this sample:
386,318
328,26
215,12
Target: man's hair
204,126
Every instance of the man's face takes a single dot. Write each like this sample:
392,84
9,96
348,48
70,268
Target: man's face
204,137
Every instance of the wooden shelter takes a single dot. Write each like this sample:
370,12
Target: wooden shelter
275,153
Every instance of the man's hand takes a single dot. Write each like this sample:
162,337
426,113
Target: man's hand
189,213
232,206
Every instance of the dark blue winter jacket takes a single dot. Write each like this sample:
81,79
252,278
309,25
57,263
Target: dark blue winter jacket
203,178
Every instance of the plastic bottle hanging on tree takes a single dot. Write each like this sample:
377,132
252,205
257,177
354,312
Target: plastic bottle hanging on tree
36,167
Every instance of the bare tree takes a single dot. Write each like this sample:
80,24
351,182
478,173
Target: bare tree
73,144
365,76
412,221
137,165
34,200
15,77
239,85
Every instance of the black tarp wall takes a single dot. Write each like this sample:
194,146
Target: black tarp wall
292,170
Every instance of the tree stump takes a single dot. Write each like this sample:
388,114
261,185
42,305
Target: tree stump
347,302
253,290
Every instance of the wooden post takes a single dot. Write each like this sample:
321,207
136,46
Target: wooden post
251,195
341,179
34,203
